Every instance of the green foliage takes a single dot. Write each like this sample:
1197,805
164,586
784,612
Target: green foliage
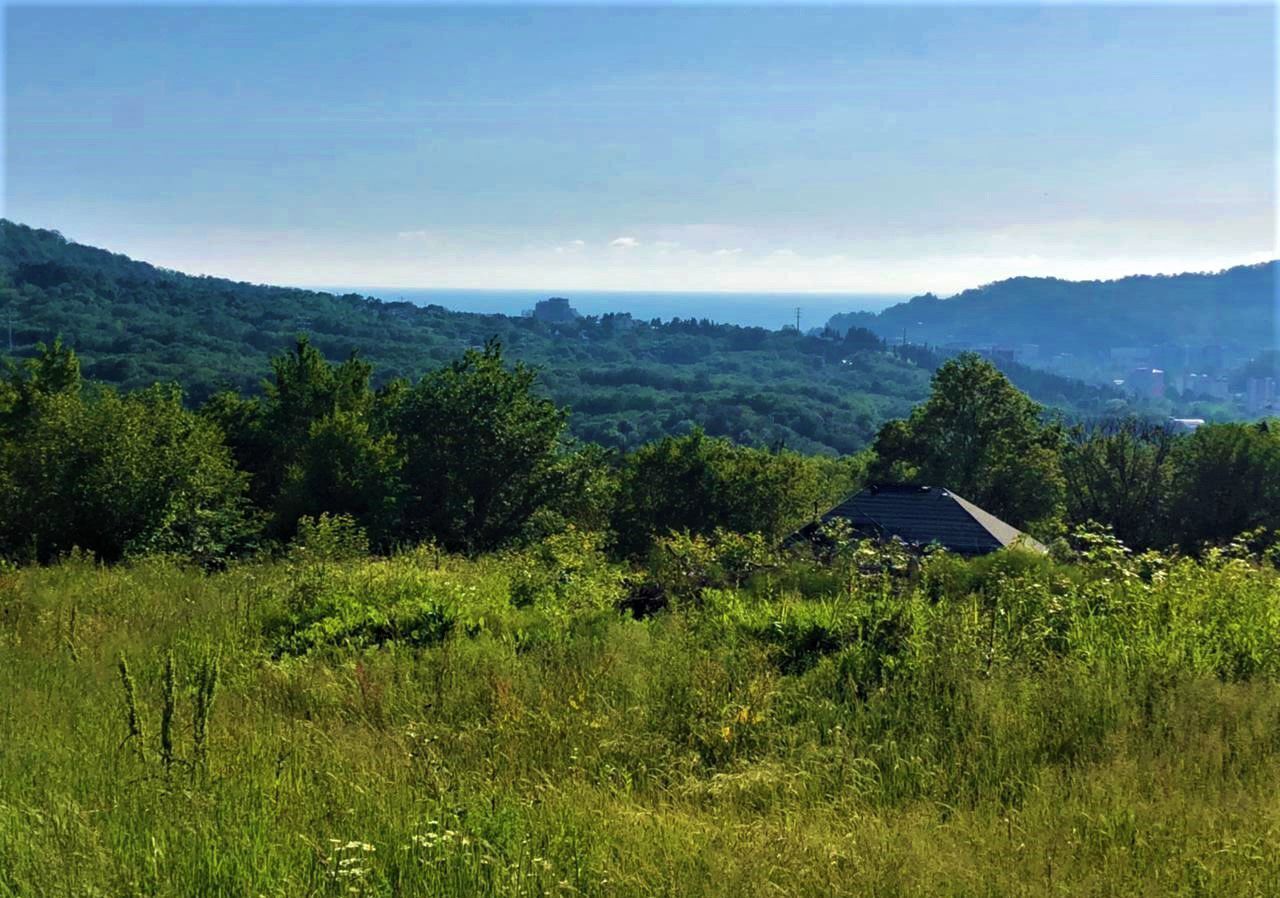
685,564
115,475
328,537
1008,725
483,452
1120,473
316,442
336,616
628,382
697,484
343,468
566,571
1231,306
1155,489
1225,480
980,437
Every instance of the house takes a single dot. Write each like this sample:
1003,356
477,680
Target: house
920,516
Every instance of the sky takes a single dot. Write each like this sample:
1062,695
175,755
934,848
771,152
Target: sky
888,149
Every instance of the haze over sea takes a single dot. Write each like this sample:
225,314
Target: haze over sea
768,310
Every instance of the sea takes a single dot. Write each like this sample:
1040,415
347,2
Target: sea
769,310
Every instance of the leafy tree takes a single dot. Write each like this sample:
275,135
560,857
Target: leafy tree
54,370
1118,474
697,484
980,436
315,442
483,452
119,475
344,469
1225,480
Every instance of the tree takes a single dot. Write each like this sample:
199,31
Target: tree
697,484
119,475
316,442
344,469
1118,474
52,371
483,452
980,436
1225,480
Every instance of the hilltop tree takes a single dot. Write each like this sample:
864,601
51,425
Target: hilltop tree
315,442
980,436
696,484
483,452
1118,474
1225,480
117,475
53,371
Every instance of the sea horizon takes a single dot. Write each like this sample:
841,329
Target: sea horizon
773,310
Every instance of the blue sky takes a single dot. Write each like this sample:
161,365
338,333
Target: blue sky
852,148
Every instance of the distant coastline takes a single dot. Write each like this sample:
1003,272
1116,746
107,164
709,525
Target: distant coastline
769,310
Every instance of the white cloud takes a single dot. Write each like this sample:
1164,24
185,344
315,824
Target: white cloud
728,252
413,235
625,242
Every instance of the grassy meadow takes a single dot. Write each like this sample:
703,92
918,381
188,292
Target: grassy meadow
333,724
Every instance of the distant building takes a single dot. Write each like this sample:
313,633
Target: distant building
1193,384
1003,355
1259,394
1184,425
555,310
1171,355
1146,382
1061,361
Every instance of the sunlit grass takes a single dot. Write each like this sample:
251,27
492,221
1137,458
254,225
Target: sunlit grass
1007,727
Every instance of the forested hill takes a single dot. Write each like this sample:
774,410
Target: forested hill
1235,306
626,381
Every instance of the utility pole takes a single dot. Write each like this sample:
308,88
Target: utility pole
797,319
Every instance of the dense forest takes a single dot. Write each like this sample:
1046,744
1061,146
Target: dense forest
626,382
473,458
1235,306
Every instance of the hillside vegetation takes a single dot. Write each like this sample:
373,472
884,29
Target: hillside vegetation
627,382
1235,306
425,724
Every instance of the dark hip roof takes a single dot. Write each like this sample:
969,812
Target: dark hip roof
924,515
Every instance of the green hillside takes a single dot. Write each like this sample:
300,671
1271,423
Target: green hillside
627,382
1235,306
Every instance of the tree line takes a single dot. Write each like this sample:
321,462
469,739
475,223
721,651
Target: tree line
473,457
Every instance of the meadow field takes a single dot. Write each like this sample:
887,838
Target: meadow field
329,723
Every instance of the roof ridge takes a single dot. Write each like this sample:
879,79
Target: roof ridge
1007,534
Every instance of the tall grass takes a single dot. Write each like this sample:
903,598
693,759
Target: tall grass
425,726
